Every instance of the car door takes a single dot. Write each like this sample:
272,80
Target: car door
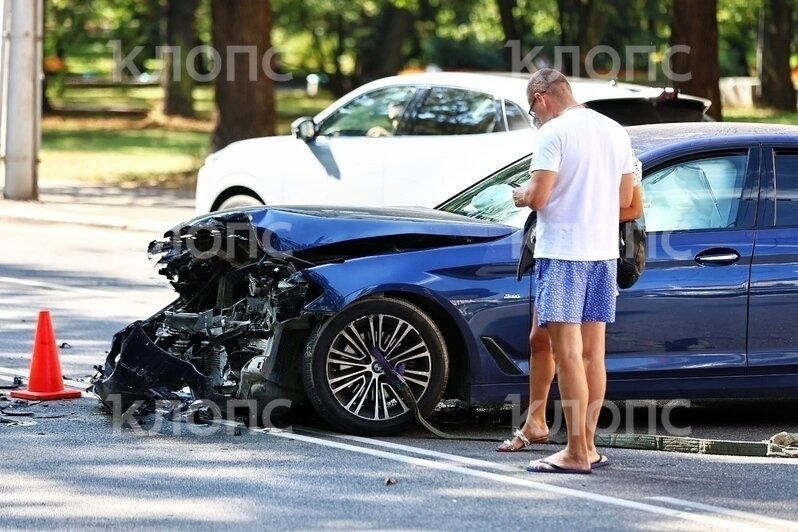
772,332
454,138
687,315
352,147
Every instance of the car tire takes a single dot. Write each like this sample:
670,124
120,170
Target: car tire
347,388
238,201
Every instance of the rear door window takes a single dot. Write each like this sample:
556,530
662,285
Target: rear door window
516,117
786,189
451,111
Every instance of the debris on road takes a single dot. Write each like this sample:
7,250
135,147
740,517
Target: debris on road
16,383
15,413
390,481
14,422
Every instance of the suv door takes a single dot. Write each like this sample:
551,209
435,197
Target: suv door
687,315
772,336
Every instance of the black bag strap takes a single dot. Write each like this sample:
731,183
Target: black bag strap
527,259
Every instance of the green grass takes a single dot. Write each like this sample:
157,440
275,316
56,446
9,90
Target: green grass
119,151
291,103
731,114
115,149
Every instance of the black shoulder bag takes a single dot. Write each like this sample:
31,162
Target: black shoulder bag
632,247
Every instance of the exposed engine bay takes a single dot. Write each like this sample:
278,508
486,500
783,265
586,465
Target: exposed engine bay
236,304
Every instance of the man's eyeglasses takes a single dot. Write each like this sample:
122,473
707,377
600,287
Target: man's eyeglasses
532,107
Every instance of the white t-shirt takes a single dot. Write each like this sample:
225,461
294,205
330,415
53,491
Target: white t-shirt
589,152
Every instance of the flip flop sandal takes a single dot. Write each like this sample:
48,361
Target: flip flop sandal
602,461
554,468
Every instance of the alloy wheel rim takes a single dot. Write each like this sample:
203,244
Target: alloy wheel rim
356,380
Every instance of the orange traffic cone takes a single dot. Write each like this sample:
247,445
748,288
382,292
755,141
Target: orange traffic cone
46,382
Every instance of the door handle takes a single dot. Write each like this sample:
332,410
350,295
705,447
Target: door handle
717,257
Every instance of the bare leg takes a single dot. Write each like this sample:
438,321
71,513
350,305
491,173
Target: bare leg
566,342
541,373
593,337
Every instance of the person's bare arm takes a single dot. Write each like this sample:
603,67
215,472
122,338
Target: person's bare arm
635,210
537,193
627,189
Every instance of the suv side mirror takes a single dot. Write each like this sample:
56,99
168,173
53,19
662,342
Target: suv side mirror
304,128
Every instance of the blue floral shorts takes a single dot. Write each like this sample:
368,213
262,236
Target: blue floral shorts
569,291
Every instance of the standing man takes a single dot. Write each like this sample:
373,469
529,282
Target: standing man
582,173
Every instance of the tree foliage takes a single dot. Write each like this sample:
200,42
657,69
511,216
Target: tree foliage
354,42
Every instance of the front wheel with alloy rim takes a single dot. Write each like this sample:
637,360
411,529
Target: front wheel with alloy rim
347,385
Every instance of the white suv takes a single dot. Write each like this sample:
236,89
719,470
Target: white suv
409,140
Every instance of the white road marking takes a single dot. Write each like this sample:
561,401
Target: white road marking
419,451
782,524
539,486
72,289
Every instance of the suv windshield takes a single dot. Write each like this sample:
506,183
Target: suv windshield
491,199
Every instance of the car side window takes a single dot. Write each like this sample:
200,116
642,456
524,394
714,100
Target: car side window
786,189
516,118
693,195
375,114
449,111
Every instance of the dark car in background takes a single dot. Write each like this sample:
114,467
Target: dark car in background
329,291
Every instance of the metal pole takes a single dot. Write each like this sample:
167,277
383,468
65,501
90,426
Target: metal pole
5,19
22,107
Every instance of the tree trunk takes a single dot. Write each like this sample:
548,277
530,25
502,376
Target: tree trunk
245,108
695,24
777,87
180,33
513,30
581,25
384,57
568,18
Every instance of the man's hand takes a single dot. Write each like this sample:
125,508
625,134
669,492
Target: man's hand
519,194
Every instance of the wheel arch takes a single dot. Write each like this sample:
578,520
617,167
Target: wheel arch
458,385
234,191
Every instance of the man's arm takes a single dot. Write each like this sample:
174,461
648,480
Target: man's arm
536,195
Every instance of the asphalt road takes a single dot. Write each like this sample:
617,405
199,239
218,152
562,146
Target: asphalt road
66,466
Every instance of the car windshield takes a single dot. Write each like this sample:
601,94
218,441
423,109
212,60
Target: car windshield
491,199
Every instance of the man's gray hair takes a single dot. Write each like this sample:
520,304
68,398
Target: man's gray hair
547,80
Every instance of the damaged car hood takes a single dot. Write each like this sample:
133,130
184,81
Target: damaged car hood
296,229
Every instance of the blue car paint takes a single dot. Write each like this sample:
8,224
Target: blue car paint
684,330
295,229
475,284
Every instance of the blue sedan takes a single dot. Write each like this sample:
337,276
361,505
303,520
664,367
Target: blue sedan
309,304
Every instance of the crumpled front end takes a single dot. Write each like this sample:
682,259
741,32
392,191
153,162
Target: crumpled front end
252,289
235,331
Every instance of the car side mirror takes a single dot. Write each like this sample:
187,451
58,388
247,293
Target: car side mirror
304,128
